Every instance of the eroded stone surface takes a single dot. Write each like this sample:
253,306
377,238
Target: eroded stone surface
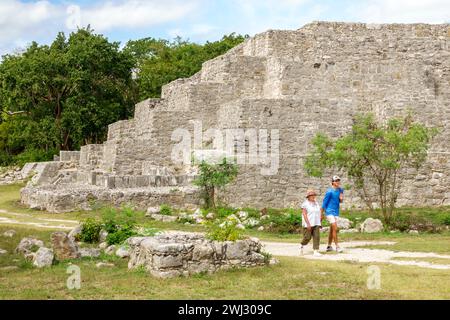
272,81
64,247
181,253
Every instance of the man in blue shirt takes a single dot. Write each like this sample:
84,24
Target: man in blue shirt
330,206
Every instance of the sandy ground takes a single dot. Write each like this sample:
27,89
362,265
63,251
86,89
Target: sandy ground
13,218
353,252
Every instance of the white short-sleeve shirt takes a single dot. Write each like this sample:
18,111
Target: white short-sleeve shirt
313,212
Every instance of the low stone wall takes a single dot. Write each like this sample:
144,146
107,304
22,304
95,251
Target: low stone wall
175,254
72,197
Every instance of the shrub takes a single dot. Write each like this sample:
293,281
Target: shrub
224,230
90,231
289,222
120,235
445,219
165,210
119,223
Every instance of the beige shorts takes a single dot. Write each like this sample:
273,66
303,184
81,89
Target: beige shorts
331,219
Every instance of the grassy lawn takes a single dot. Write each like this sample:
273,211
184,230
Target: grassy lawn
293,278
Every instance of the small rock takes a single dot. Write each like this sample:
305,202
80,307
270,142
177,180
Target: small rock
371,226
153,210
102,236
3,252
210,215
261,228
164,218
111,250
240,226
89,253
349,231
64,247
325,229
43,258
9,233
75,232
103,245
273,261
242,214
264,217
26,245
123,252
413,232
104,265
343,223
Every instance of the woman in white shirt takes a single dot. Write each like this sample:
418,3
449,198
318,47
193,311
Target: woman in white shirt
311,222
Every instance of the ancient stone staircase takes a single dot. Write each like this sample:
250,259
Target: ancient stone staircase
298,82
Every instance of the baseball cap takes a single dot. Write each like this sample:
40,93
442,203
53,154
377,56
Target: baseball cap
336,178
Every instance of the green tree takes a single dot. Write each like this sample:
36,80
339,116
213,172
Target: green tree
214,176
65,94
374,156
159,62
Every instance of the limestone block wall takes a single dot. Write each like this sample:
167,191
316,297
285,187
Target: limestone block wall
182,254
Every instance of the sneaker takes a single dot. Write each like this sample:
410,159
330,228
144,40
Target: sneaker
317,253
301,250
339,250
329,248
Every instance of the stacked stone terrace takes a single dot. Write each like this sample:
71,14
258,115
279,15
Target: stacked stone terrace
298,82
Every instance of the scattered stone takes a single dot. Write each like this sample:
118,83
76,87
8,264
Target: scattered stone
153,210
274,261
413,232
103,245
9,233
210,215
104,265
349,231
325,229
75,232
27,245
261,228
343,223
240,226
3,252
371,225
43,258
110,250
102,236
242,214
123,252
89,253
64,247
163,218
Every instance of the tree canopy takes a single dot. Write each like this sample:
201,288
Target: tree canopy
64,95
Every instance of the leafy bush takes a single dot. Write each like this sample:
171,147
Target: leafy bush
226,230
289,222
445,219
90,231
119,223
166,210
120,235
405,222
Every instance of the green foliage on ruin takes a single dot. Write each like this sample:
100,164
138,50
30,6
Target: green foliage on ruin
213,177
375,157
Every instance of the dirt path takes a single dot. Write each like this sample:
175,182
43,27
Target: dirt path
24,219
354,252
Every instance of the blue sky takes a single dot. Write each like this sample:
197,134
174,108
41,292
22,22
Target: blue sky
22,21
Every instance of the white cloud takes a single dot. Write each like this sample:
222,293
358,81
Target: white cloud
135,13
401,11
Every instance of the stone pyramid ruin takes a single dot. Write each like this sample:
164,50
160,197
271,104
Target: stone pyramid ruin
280,86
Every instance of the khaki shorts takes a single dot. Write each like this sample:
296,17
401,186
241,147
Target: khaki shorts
331,219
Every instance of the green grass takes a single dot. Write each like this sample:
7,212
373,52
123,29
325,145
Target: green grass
293,278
